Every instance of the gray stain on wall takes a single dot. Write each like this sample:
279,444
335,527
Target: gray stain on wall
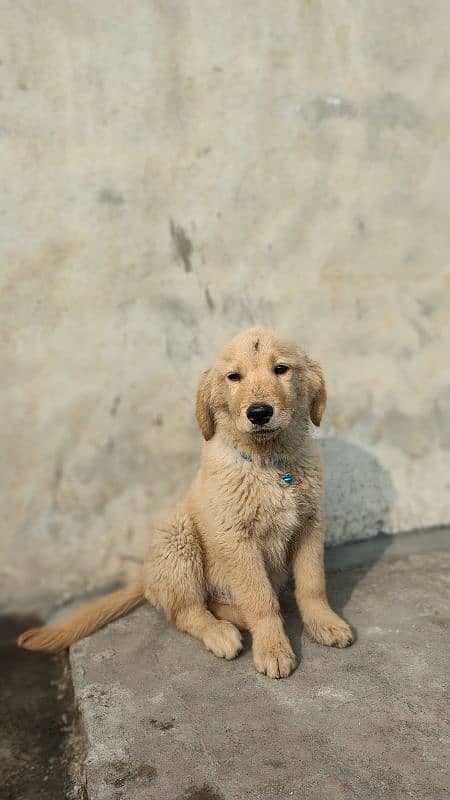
110,197
183,245
209,300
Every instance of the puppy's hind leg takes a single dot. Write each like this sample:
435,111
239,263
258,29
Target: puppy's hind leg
174,582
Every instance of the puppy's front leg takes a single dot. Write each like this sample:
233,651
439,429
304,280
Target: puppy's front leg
252,592
321,622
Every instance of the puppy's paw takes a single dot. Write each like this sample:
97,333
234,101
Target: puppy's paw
276,660
329,629
223,639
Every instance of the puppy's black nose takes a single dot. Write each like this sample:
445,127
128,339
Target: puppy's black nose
259,413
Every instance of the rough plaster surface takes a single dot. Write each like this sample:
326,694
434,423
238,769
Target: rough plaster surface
174,172
369,722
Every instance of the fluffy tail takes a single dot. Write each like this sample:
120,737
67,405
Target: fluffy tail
86,620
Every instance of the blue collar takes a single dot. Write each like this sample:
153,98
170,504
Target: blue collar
273,461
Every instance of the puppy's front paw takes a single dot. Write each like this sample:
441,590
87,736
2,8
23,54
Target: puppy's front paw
276,659
223,639
329,629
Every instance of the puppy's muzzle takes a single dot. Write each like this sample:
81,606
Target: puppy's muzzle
259,413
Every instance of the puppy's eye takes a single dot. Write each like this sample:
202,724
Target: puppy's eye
280,369
234,376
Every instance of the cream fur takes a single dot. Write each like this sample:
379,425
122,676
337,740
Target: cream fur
239,530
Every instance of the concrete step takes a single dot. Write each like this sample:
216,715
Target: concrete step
166,720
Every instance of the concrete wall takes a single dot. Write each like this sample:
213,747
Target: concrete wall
174,172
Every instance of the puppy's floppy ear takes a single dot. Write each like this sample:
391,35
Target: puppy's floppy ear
317,393
203,407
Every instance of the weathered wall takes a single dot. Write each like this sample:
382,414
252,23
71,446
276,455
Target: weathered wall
173,172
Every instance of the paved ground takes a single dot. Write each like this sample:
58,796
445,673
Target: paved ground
167,720
40,750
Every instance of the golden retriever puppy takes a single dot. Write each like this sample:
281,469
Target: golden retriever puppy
218,561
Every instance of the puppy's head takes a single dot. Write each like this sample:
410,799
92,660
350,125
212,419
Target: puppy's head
260,384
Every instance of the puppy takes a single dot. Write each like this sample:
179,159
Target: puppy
219,560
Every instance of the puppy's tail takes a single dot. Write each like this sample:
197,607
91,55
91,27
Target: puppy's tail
86,620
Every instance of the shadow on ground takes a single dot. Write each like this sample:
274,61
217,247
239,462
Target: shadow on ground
37,721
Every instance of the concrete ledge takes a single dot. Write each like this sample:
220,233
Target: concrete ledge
383,546
165,720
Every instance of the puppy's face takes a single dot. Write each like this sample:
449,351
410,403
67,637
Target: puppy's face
259,385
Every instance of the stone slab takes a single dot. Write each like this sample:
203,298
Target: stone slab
165,720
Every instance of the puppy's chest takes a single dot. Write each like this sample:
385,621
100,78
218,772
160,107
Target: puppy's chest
275,507
260,504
